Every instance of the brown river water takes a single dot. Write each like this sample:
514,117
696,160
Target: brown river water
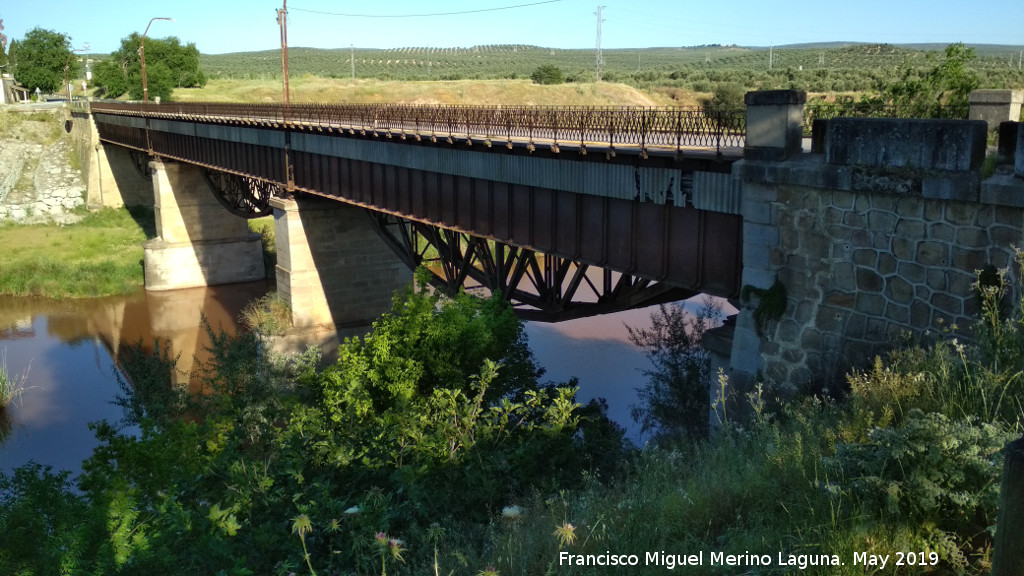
68,352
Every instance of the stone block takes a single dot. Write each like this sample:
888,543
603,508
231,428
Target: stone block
853,219
903,248
897,313
1005,236
948,304
865,257
870,304
174,265
968,259
937,279
868,280
995,106
756,212
961,283
817,246
886,264
920,314
756,254
963,187
910,228
948,145
971,237
774,124
843,200
932,254
829,319
882,221
941,231
804,312
909,208
758,277
1018,156
899,290
911,272
1003,190
856,325
876,329
760,234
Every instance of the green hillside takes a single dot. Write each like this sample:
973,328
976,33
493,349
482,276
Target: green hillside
825,67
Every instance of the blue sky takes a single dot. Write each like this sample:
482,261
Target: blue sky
218,26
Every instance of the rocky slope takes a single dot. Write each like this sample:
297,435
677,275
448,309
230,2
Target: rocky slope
37,180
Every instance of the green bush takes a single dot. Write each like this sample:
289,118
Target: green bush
548,74
929,470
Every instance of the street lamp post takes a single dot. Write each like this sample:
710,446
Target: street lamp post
142,58
67,68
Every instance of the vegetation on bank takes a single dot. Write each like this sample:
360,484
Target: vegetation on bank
99,256
431,447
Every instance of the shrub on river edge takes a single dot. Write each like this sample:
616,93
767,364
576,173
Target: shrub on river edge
431,448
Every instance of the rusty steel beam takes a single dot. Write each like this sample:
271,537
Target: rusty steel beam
540,287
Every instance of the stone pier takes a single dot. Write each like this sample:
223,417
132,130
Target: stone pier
333,269
198,243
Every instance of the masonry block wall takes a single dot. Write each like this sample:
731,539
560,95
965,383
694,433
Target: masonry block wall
198,243
879,237
333,268
108,171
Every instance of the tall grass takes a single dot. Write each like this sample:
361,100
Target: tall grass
99,256
11,386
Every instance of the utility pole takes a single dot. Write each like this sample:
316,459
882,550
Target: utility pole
771,55
282,21
599,21
352,57
1019,59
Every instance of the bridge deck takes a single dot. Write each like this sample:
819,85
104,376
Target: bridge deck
647,226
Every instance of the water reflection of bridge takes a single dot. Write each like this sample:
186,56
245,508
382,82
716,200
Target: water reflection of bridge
146,319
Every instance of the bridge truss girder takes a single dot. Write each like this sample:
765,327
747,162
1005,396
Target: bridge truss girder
540,287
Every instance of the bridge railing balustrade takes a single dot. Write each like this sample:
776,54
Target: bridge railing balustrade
612,126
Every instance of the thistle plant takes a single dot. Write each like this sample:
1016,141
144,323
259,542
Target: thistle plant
302,526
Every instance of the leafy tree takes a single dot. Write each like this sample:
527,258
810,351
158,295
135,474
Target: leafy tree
169,65
676,402
941,92
548,74
39,60
3,44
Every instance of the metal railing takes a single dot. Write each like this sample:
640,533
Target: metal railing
611,126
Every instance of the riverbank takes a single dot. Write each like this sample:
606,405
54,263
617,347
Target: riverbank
101,255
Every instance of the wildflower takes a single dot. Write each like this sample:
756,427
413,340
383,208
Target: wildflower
382,538
566,534
395,545
489,571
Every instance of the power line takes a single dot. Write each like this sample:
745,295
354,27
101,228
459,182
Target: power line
426,15
597,73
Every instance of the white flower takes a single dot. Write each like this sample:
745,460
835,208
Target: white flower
353,510
512,512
